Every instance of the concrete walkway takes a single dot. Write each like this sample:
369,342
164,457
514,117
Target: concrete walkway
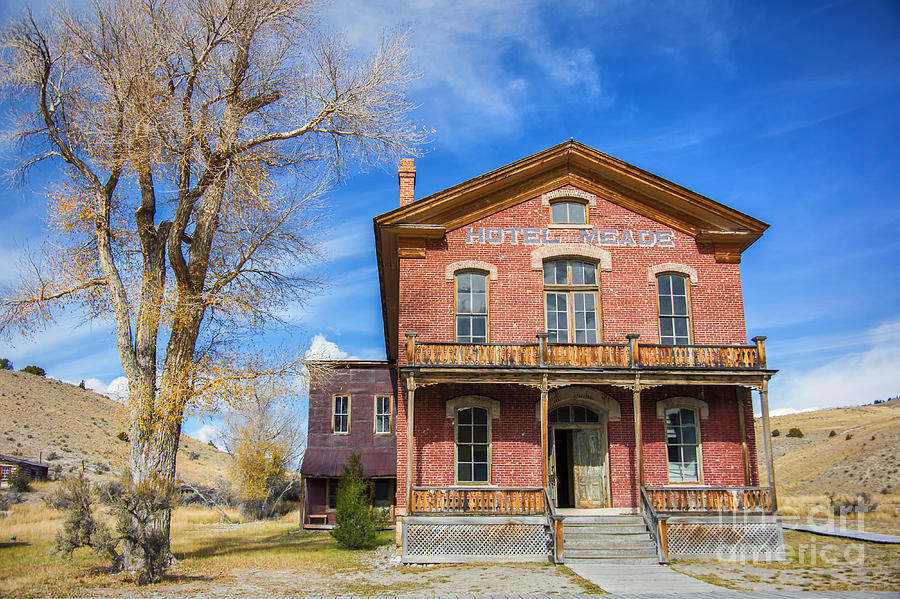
845,533
642,578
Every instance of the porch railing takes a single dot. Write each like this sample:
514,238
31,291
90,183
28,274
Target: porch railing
599,355
477,501
657,525
710,500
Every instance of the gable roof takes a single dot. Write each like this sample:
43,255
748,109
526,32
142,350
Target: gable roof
402,232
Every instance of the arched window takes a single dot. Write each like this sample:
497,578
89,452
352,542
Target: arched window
683,445
574,415
674,310
568,213
473,443
572,301
471,307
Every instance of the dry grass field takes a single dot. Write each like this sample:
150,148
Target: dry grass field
65,426
253,559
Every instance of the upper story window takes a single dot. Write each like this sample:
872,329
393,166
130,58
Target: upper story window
571,299
568,213
683,445
674,314
383,414
473,442
340,422
471,307
574,415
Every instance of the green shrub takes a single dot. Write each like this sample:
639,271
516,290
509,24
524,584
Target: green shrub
355,523
51,456
81,385
20,479
75,497
32,369
796,433
848,437
123,436
6,364
831,434
776,433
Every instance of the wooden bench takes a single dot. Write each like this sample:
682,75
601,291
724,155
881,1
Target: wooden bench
323,518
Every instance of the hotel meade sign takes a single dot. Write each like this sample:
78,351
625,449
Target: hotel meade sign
602,237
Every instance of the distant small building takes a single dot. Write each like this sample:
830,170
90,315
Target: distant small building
9,464
351,410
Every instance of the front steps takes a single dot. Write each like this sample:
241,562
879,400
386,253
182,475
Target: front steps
608,539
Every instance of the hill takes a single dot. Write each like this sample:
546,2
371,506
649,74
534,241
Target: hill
71,428
861,455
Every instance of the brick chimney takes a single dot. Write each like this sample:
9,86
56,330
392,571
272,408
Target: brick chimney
407,176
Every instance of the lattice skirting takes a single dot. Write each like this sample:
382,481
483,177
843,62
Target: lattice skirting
761,539
430,540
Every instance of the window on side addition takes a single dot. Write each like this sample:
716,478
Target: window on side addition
341,415
568,213
674,310
683,445
471,307
383,414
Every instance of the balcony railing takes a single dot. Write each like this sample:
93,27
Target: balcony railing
601,355
474,500
705,500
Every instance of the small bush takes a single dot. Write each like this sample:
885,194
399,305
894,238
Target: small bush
193,455
81,385
831,434
32,369
75,498
355,523
123,436
6,364
796,433
51,456
20,480
776,433
848,437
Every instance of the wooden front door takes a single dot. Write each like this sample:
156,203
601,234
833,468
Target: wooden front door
589,457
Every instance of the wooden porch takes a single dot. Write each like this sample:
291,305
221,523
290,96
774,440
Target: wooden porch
600,355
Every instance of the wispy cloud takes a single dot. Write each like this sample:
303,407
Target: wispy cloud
868,368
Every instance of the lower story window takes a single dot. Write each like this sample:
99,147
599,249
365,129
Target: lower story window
683,445
472,445
332,486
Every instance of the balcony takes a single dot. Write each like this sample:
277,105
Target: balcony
631,355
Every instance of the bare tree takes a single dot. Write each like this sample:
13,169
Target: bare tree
196,137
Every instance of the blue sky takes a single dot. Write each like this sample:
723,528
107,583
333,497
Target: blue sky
784,110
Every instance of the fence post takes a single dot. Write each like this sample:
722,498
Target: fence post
558,529
664,538
542,342
632,348
411,347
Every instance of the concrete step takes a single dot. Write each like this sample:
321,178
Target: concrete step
635,541
570,520
604,529
629,560
609,551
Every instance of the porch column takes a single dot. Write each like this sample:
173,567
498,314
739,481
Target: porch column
638,436
767,440
745,450
545,466
410,439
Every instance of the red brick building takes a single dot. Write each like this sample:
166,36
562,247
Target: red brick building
569,340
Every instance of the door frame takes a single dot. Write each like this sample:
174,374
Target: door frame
552,435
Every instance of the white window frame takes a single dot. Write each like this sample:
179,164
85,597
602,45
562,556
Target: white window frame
389,414
335,414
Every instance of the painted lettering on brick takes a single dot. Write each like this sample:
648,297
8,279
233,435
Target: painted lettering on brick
626,238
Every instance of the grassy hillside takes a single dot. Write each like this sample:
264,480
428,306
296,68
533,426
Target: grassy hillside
65,425
861,455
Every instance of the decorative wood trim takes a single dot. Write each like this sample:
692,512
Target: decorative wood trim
654,271
575,250
411,247
451,269
472,401
691,403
